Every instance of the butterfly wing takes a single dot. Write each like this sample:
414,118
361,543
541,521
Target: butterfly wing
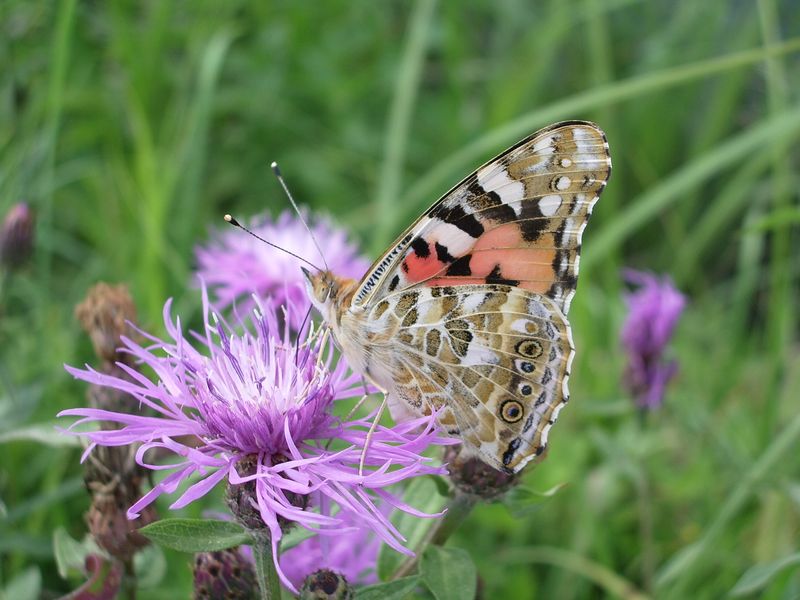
518,221
494,359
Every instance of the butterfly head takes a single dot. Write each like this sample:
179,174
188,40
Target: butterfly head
324,290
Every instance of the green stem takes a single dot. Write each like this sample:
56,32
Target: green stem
266,574
458,510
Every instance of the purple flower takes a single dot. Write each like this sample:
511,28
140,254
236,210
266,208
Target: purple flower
235,265
353,554
653,312
258,399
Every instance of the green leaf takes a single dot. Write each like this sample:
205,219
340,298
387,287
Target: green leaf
449,573
25,586
759,576
295,537
421,494
196,535
70,554
523,500
399,589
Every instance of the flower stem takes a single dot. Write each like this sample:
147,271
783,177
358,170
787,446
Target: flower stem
266,575
458,510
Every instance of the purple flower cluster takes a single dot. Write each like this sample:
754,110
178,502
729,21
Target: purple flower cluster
235,265
654,308
260,398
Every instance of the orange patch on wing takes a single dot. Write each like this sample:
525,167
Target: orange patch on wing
518,259
420,268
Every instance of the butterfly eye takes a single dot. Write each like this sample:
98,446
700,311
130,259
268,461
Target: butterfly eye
511,411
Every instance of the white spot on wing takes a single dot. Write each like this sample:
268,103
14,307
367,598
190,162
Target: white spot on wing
471,302
457,241
520,325
563,183
495,178
548,205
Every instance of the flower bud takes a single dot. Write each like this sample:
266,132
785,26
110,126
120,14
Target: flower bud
105,315
325,584
243,502
16,236
224,575
473,477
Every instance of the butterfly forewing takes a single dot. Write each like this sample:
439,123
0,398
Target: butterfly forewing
518,220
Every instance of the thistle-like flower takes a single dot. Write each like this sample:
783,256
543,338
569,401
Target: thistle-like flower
255,408
653,312
235,265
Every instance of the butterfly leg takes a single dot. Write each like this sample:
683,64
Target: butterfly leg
360,402
370,433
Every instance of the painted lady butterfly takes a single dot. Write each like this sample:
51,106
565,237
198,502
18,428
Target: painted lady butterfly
466,311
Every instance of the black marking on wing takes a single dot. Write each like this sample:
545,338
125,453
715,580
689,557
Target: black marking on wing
455,215
421,248
460,268
508,455
443,255
496,277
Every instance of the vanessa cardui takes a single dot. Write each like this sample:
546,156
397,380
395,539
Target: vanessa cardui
466,311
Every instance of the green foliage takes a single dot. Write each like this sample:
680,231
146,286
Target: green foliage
449,573
399,589
132,127
196,535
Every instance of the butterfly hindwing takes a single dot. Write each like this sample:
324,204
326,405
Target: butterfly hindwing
518,221
493,358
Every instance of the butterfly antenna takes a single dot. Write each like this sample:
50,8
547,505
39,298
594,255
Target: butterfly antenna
279,175
236,223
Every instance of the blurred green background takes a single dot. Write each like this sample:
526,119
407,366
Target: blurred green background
131,127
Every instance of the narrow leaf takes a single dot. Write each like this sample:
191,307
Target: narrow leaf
41,433
523,500
70,554
759,576
196,535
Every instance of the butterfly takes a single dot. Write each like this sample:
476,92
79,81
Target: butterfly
466,312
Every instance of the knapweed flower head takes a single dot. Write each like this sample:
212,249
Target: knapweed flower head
654,308
258,399
235,265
